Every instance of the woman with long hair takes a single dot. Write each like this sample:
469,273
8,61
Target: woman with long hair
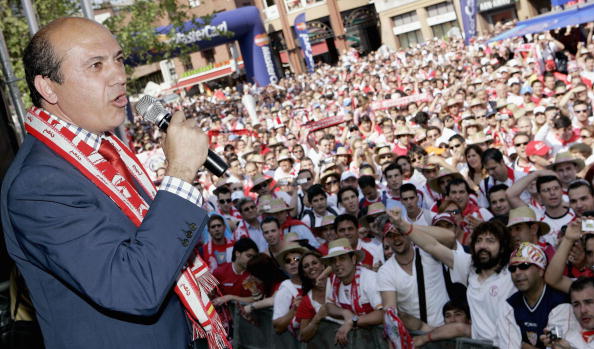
312,308
476,172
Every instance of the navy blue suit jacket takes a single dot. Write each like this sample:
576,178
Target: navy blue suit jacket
96,280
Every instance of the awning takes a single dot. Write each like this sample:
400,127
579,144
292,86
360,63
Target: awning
316,49
549,21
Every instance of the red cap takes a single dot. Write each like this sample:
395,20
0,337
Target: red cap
443,217
537,148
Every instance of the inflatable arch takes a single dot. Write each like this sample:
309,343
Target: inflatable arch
245,26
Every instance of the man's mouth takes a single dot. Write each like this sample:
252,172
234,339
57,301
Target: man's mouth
121,100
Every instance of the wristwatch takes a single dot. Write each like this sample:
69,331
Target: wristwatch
355,319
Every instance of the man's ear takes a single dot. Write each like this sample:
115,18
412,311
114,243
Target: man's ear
44,87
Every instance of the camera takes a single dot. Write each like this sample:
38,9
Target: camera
588,225
555,333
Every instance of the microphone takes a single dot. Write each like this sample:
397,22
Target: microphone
154,112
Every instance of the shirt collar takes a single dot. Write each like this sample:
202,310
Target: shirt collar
93,140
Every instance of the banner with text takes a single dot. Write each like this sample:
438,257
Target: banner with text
303,35
468,19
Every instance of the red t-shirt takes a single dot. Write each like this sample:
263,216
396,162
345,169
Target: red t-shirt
230,282
305,310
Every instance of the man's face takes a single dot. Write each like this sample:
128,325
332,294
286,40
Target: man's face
271,233
349,182
497,170
394,179
405,166
249,211
343,265
225,201
346,229
350,201
520,143
92,94
455,316
581,112
243,258
235,168
432,135
216,229
564,133
285,165
400,243
529,279
583,307
319,204
499,203
551,194
525,126
410,200
589,251
271,161
306,178
325,146
251,169
580,200
567,172
370,193
486,250
291,263
537,89
523,232
459,195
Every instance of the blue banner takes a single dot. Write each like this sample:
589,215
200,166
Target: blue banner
469,11
303,35
555,3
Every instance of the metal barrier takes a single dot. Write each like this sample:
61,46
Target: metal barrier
261,335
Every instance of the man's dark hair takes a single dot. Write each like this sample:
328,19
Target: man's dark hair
40,58
496,188
239,205
561,122
243,245
305,170
314,191
458,181
456,304
458,137
270,219
344,218
223,190
344,190
545,179
405,157
421,118
408,187
501,233
367,181
580,284
492,154
580,183
391,167
215,217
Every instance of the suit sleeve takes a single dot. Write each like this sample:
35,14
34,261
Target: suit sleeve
65,228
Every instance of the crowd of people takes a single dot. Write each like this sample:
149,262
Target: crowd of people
442,190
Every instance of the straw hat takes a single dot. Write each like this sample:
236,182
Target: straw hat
339,247
452,102
582,148
327,174
274,206
326,220
567,157
376,208
248,151
290,247
477,138
342,151
383,152
260,180
258,158
274,142
434,182
284,156
529,253
525,214
501,103
404,131
475,102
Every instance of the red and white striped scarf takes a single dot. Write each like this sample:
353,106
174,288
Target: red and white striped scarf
196,281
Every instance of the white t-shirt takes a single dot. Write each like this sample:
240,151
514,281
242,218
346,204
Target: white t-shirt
368,291
486,298
556,224
564,317
391,277
375,249
425,217
283,298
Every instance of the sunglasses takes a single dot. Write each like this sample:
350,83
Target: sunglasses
521,144
456,146
224,201
249,208
293,259
581,111
521,266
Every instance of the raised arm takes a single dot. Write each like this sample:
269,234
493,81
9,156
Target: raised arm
515,191
554,274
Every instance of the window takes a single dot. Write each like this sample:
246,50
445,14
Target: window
186,62
194,3
440,9
441,30
405,18
208,55
268,3
411,38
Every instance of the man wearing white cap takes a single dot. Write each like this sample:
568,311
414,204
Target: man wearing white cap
351,293
526,312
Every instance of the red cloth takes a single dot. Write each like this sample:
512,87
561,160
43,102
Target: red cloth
305,311
290,222
109,152
230,282
216,255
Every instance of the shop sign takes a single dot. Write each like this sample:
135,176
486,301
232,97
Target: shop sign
488,5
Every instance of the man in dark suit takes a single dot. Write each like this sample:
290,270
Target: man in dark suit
97,277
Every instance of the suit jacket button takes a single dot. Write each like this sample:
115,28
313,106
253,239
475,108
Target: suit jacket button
193,226
185,242
188,234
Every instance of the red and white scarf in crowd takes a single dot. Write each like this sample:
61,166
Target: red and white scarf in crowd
355,306
195,282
